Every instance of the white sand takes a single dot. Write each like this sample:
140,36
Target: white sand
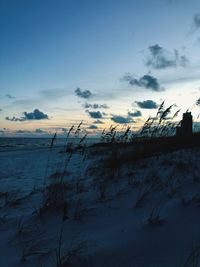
112,232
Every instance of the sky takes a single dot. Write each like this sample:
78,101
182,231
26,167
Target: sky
104,62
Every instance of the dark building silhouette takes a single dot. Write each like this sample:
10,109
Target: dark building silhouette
185,129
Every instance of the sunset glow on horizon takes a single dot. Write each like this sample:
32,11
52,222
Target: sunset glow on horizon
101,62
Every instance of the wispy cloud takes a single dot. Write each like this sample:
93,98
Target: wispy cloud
41,97
54,93
40,131
160,58
96,106
10,96
23,132
196,21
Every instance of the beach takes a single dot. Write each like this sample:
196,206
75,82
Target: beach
142,214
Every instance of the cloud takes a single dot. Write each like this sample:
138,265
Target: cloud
147,104
54,93
2,131
121,119
96,106
147,81
10,96
35,115
64,130
92,127
83,93
160,58
95,114
98,122
196,21
40,131
136,113
174,2
15,119
22,131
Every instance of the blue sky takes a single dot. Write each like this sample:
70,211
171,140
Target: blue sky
49,48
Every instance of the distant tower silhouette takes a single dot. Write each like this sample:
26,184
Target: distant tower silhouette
185,129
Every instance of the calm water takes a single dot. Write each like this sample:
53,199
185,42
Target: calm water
9,144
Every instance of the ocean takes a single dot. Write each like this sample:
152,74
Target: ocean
13,143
